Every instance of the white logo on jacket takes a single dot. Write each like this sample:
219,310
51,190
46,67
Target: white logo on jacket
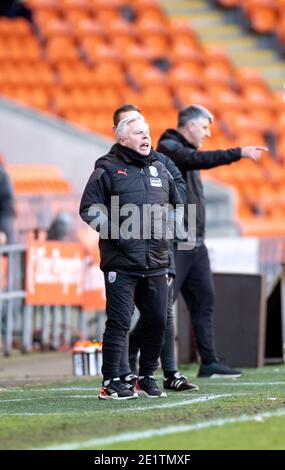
112,277
156,182
153,171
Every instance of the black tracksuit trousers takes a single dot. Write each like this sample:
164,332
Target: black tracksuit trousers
167,355
194,280
149,294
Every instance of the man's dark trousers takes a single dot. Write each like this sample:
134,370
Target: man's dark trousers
149,294
194,280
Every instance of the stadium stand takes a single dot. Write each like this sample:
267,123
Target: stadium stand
80,59
265,16
42,192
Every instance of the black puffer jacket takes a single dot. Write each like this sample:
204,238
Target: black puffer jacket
178,180
189,160
7,203
169,164
136,180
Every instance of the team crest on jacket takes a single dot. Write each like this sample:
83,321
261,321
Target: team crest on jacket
112,276
153,171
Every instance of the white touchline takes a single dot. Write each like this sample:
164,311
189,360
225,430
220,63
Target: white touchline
214,382
200,399
179,403
4,400
235,382
136,436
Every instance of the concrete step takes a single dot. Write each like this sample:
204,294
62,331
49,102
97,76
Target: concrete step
216,32
210,18
232,44
254,58
175,7
191,8
276,83
243,48
193,5
275,69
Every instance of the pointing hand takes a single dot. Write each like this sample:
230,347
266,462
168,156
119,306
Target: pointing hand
253,152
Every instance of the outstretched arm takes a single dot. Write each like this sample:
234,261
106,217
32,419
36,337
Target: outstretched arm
253,152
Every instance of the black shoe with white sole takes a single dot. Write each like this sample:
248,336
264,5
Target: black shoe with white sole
147,387
216,370
179,383
114,389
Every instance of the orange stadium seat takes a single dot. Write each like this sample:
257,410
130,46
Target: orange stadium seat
247,76
280,28
195,96
43,4
33,178
111,4
107,98
178,25
123,44
217,75
57,28
228,100
262,15
109,73
89,28
75,17
262,118
99,52
156,97
106,15
155,45
61,50
75,5
42,18
14,28
151,8
44,10
144,75
216,56
188,74
181,53
121,27
67,78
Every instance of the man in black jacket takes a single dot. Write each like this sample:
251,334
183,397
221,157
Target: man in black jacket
7,206
135,267
173,379
193,275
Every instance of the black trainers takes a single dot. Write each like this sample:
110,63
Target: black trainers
147,387
129,381
114,389
179,383
217,370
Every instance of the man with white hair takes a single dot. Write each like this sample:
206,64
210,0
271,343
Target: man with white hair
135,266
173,379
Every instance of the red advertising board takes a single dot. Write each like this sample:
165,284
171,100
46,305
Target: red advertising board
61,273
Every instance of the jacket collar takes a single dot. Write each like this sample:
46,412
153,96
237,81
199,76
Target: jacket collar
131,156
174,134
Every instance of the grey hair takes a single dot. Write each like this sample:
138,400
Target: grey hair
121,127
193,113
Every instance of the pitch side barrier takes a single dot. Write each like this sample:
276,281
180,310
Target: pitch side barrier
249,278
51,294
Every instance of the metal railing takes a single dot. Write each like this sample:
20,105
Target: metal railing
53,327
12,292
